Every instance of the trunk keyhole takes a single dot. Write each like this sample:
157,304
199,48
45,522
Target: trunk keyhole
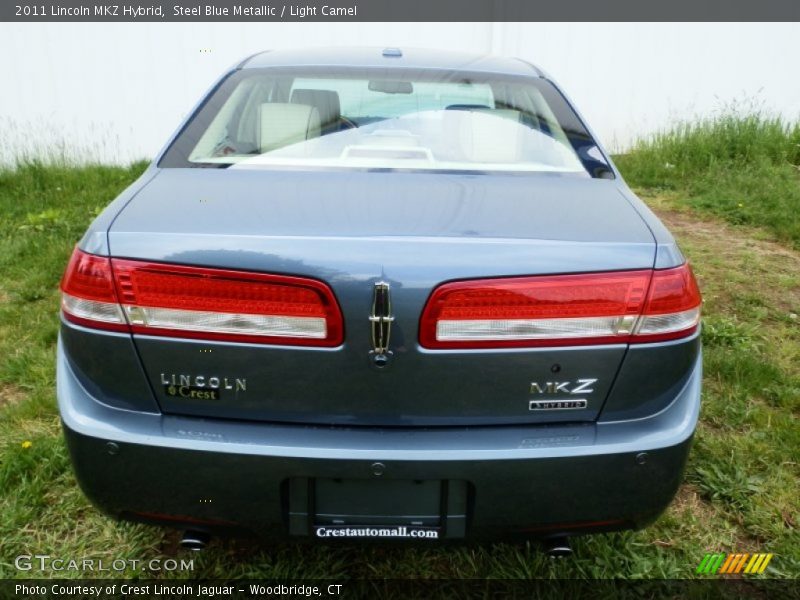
380,360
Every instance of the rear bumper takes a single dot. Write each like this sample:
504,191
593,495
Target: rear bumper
517,481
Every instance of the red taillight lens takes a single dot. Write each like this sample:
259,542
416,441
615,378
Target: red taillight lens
204,303
560,310
673,306
88,296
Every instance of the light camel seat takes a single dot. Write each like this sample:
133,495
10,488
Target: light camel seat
284,124
486,136
326,102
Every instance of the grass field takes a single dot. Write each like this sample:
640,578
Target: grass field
728,188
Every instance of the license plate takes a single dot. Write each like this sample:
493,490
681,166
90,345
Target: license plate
346,509
382,532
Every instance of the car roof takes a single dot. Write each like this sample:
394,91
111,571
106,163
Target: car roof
391,57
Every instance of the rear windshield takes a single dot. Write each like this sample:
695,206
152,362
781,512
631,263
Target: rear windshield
386,119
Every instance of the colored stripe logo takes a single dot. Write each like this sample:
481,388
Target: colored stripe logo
730,564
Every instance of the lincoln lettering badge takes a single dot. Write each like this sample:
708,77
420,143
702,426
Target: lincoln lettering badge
380,320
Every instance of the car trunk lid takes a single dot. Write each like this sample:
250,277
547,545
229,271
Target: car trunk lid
351,230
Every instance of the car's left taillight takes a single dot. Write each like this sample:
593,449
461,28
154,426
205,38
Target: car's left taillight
88,296
198,302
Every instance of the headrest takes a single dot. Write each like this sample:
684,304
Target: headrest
284,124
325,101
487,136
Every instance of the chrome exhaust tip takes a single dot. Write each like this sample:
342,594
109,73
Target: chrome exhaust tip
194,540
558,547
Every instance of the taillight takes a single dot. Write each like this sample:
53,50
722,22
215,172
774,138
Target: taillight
203,303
673,306
87,293
562,310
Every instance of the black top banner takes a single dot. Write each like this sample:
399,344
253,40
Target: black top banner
402,10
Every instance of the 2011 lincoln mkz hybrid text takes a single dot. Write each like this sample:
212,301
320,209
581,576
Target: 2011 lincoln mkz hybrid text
380,293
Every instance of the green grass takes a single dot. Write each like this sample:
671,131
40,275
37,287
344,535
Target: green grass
742,490
740,166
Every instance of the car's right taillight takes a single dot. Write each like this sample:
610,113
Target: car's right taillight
199,302
672,309
562,310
